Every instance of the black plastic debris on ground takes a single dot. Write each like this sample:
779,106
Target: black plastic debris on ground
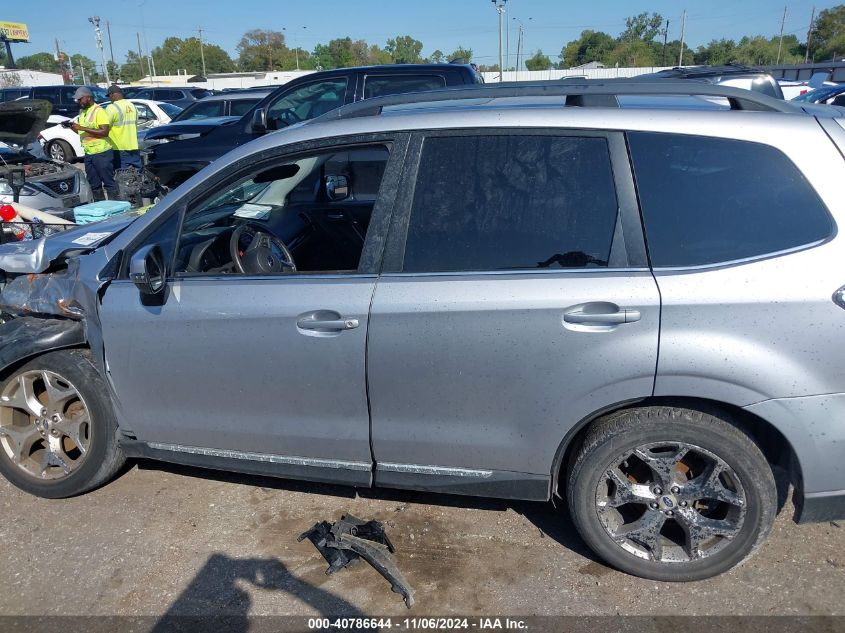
345,541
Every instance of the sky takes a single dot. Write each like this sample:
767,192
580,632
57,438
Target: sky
439,24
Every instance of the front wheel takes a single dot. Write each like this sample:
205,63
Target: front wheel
58,435
61,151
671,494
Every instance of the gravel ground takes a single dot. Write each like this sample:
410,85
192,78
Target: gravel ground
179,541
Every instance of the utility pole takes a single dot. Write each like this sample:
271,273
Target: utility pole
780,44
111,48
98,36
810,35
202,54
141,60
683,33
665,40
499,5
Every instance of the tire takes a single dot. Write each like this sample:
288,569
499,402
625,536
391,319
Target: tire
717,512
74,447
61,150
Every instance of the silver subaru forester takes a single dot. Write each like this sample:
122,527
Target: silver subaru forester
626,295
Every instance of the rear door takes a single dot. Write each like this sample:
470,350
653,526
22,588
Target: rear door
515,301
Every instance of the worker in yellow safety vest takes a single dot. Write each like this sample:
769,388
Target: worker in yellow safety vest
123,130
93,129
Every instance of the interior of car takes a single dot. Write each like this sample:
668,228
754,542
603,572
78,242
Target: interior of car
305,215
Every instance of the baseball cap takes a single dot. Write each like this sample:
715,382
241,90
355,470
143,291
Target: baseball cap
82,91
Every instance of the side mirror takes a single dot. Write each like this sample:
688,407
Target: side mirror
337,188
147,272
259,121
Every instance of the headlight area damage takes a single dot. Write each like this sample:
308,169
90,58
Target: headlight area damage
54,309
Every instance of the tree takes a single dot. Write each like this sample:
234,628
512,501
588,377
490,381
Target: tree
338,53
261,49
404,49
461,53
592,46
716,52
134,68
80,62
176,55
632,53
828,34
437,57
642,27
114,71
538,61
43,62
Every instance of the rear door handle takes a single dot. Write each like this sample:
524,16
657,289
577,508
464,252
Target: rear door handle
601,314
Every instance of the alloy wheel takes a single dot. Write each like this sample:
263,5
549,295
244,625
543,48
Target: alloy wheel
670,502
45,425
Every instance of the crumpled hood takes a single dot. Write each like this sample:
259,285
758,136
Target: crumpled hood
36,256
21,121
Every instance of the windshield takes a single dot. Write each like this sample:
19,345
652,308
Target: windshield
169,109
819,94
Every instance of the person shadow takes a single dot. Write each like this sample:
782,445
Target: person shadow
217,600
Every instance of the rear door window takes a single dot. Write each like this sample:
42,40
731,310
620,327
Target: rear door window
67,94
382,85
241,106
168,95
202,110
711,200
48,94
512,202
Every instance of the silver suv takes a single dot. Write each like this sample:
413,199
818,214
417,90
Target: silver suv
516,292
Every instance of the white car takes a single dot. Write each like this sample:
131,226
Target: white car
62,144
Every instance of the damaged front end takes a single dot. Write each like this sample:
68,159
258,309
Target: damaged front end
49,292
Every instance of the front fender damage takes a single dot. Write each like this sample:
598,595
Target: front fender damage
26,337
53,310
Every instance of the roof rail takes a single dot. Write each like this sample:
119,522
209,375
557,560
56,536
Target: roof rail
581,93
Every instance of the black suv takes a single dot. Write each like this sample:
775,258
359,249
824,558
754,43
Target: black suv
177,151
181,96
60,96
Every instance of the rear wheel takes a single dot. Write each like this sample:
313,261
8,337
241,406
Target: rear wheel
58,435
671,494
60,150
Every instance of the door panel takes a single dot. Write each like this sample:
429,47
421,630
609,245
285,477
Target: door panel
223,364
481,371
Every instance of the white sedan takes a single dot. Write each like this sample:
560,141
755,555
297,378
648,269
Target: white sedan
61,143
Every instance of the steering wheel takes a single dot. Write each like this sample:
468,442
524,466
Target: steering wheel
264,255
287,117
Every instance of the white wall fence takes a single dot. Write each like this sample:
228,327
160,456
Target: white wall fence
590,73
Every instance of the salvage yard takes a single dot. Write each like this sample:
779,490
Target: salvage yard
179,541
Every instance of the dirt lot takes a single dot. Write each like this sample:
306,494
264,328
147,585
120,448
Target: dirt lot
171,540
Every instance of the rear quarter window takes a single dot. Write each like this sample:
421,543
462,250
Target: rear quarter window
382,85
709,200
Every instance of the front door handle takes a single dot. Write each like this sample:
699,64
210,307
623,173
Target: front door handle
330,324
325,321
600,313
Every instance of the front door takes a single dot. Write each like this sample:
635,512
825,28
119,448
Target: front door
258,352
515,302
